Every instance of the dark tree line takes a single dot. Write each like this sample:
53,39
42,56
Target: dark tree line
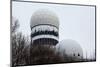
19,46
25,53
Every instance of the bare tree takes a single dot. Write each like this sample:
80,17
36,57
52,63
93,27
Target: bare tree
19,43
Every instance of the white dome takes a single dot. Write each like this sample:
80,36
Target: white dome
71,48
44,17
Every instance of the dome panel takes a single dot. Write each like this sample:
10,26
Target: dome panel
71,48
44,17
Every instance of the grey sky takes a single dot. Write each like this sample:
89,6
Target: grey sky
76,22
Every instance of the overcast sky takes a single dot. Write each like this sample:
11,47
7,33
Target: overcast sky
76,22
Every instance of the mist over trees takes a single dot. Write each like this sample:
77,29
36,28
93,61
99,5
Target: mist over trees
25,53
19,45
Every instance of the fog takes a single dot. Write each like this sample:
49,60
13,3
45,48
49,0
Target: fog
75,22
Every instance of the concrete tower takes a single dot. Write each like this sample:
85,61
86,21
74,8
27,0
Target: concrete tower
44,28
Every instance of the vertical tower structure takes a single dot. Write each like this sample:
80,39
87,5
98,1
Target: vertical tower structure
44,28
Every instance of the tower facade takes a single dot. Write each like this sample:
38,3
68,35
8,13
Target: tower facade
44,28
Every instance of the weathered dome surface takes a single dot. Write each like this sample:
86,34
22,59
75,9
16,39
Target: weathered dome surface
44,16
71,48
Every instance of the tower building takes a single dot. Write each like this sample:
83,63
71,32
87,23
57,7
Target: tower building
44,28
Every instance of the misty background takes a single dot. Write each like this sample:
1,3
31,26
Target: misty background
76,22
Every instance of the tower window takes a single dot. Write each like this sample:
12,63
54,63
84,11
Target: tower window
44,32
78,54
73,54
